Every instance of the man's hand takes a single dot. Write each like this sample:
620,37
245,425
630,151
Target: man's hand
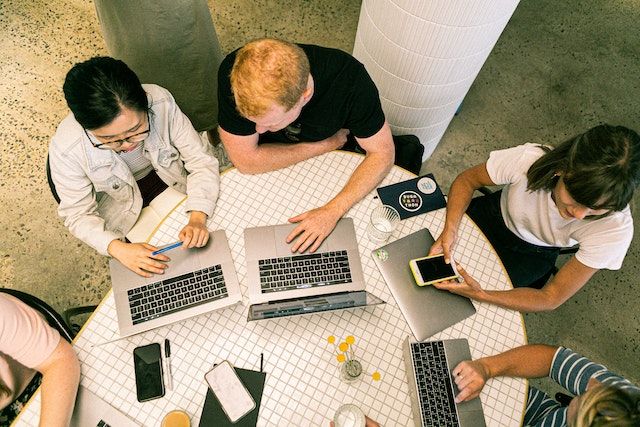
195,233
469,288
314,226
444,244
470,377
137,257
337,140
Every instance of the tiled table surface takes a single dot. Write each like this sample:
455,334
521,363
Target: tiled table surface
303,386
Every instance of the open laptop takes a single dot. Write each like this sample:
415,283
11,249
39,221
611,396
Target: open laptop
431,387
198,280
282,283
90,410
427,309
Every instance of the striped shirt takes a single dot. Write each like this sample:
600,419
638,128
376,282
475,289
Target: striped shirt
571,371
136,161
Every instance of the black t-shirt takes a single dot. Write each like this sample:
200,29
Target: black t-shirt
344,97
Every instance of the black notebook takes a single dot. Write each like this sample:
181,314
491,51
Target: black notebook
212,413
413,197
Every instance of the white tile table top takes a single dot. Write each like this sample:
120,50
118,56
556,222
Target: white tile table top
303,387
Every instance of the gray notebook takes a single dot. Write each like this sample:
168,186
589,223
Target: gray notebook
427,310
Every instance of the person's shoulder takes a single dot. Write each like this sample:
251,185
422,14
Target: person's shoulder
156,93
329,55
227,62
523,155
68,134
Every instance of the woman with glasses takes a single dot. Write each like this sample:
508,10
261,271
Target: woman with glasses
123,144
602,397
576,194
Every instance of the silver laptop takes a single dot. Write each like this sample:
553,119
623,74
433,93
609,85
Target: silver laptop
282,283
198,280
428,366
427,309
91,410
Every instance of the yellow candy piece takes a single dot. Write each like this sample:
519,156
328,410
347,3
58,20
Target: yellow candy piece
340,358
343,346
331,339
376,376
350,339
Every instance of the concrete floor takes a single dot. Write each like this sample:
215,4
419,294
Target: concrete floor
557,70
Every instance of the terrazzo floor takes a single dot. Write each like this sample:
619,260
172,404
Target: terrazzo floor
557,70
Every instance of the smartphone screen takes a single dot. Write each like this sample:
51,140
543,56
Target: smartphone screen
147,362
434,269
234,398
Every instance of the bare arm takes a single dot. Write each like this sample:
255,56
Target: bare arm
251,158
569,280
527,361
458,201
315,225
60,379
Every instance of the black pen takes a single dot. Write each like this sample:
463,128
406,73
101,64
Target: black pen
167,355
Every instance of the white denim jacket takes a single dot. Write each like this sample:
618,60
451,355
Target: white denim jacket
99,198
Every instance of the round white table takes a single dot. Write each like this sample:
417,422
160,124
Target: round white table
303,385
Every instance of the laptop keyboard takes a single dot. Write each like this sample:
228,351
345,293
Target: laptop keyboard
304,271
435,394
177,293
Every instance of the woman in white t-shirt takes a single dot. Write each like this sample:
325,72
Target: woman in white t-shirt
27,345
575,194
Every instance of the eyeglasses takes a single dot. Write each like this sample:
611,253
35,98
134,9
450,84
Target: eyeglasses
114,145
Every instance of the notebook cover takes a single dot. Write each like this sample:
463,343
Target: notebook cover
212,413
413,197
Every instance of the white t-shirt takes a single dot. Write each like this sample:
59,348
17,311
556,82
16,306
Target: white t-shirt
534,216
26,341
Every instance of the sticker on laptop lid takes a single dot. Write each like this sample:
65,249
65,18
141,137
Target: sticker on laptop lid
382,254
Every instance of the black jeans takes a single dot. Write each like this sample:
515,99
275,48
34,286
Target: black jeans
528,265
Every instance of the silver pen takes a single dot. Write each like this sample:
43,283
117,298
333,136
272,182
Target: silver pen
167,355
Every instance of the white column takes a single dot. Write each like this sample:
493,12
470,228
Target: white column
424,55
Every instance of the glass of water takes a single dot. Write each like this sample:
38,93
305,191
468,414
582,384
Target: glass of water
382,223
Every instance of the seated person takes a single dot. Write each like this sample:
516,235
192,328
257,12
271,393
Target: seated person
122,144
281,103
28,344
602,397
575,194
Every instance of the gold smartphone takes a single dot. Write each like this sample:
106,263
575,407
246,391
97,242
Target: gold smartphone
432,269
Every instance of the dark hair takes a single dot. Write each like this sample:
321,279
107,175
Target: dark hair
600,168
97,89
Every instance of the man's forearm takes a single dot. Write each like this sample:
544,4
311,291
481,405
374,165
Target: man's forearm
273,156
364,178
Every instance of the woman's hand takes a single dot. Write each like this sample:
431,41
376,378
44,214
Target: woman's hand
469,287
444,244
195,233
137,257
470,377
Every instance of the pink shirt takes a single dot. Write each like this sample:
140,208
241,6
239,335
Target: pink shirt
26,341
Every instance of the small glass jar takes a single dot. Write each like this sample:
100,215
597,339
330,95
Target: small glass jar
350,370
349,415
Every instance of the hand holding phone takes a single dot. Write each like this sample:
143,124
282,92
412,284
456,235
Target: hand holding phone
432,269
147,362
234,398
